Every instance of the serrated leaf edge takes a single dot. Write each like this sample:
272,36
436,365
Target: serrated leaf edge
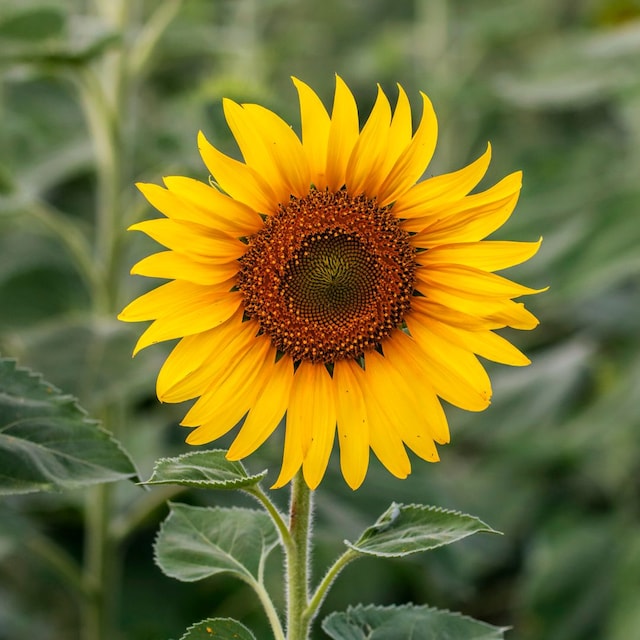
485,528
410,605
435,509
171,505
66,400
242,481
213,620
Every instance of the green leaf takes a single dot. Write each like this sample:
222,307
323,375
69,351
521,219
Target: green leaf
405,529
38,23
218,629
203,470
407,622
198,542
47,441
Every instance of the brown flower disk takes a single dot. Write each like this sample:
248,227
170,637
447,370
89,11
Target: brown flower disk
329,276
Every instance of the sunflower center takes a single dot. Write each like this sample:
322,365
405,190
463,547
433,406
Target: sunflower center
328,277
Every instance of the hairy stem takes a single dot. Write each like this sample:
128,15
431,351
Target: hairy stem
298,559
325,584
269,608
276,516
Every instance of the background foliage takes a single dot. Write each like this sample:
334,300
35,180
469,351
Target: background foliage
554,463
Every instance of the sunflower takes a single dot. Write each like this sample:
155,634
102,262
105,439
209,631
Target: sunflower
320,280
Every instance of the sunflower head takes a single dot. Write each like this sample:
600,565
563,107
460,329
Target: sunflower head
320,282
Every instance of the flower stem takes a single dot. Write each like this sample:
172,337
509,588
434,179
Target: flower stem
322,589
298,559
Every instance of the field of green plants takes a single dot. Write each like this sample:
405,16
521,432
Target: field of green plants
96,95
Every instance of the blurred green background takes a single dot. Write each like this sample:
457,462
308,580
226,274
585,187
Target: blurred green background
554,463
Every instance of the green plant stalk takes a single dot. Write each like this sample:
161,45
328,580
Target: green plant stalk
325,584
72,239
298,559
102,93
99,564
58,559
289,549
257,493
269,608
105,133
150,33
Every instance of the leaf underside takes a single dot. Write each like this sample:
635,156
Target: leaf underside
198,542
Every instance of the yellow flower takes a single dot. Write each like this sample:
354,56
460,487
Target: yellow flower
318,279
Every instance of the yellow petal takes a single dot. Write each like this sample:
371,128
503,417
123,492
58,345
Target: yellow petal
198,360
343,134
234,387
453,317
211,207
310,423
172,205
254,151
364,169
353,425
202,311
487,344
417,420
292,457
487,255
237,179
434,193
384,439
284,148
400,132
177,266
267,410
315,132
270,147
414,159
387,445
320,420
515,315
232,398
454,371
468,281
499,313
471,219
161,300
427,370
189,355
202,242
